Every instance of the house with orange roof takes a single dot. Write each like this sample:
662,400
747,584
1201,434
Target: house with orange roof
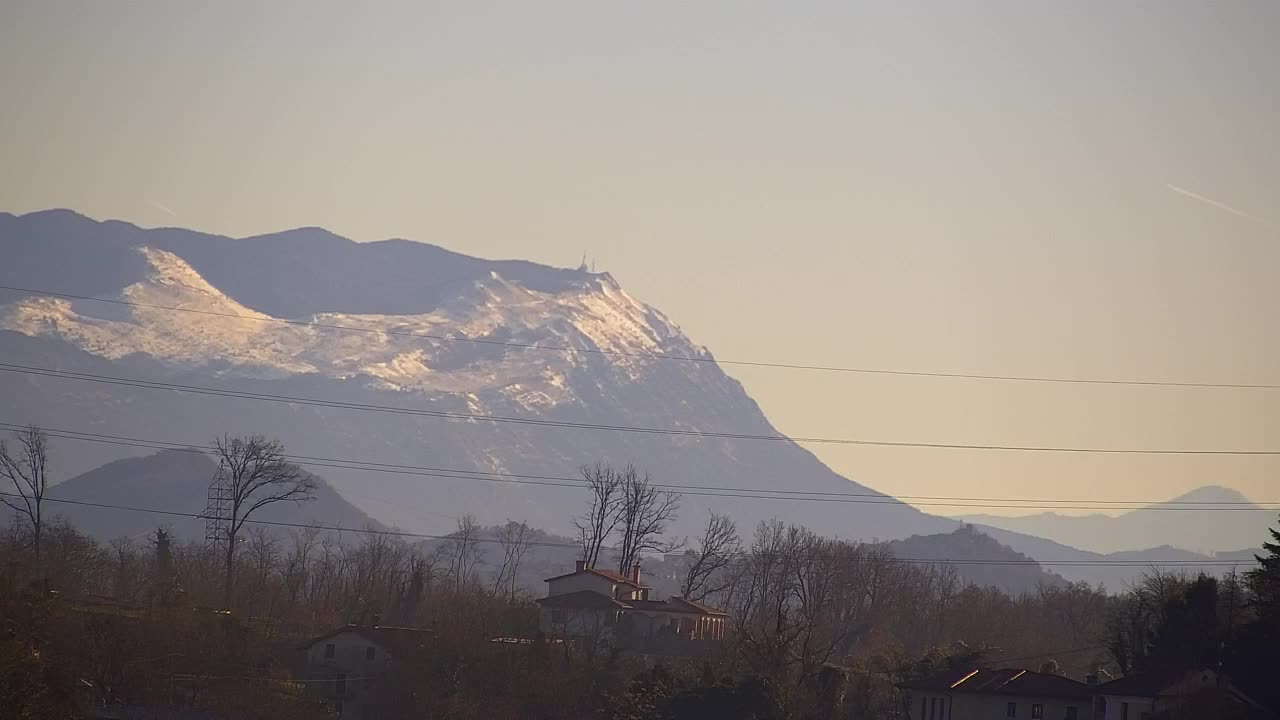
590,604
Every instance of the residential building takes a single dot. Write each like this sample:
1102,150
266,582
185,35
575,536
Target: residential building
981,694
1152,696
344,666
604,606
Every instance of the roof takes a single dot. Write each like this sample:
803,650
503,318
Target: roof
1148,685
591,600
697,606
396,640
606,574
1173,683
1003,682
675,604
582,599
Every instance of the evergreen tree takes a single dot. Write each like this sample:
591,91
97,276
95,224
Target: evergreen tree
1190,635
1257,650
1264,582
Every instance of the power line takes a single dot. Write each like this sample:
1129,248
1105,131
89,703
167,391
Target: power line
694,490
650,356
1050,653
747,555
449,415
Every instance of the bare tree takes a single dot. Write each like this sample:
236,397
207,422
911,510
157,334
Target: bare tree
464,551
643,517
255,474
514,538
708,564
25,467
297,564
603,513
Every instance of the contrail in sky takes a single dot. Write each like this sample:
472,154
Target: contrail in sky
1220,205
158,204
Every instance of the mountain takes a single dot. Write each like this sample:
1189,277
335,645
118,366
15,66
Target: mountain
445,373
978,559
1117,570
176,481
1204,524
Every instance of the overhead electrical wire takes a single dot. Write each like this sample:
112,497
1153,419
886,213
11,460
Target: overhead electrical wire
575,546
693,490
539,422
650,356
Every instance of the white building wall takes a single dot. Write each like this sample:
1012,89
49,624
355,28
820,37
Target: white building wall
964,706
569,622
1137,706
582,581
350,653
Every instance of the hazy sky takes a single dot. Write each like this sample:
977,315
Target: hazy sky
969,187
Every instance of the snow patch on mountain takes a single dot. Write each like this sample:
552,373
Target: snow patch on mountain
467,346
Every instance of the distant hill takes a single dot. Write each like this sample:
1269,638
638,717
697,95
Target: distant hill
1117,570
978,559
175,480
1206,526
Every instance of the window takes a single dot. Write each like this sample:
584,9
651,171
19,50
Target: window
1037,712
1124,711
1072,714
924,706
328,651
370,653
1011,710
933,708
340,685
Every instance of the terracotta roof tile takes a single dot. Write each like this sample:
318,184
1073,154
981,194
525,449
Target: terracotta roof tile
1003,682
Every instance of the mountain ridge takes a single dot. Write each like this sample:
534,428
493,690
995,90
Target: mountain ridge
1200,526
616,380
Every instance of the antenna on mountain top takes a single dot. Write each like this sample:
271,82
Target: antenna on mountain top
583,266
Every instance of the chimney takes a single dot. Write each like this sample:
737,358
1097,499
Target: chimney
635,573
579,565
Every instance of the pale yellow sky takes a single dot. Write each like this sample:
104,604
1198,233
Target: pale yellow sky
977,187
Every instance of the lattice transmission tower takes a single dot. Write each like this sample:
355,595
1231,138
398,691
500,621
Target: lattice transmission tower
217,510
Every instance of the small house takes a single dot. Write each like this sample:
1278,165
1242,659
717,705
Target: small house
343,666
982,694
611,608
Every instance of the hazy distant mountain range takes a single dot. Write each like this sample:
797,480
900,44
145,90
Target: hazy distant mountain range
176,480
446,361
1210,518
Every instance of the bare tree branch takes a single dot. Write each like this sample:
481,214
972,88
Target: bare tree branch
514,538
25,468
603,513
643,517
707,574
255,474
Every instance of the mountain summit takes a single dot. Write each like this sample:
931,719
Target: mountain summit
410,330
1209,518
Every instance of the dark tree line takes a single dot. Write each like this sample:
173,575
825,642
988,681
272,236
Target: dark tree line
819,627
